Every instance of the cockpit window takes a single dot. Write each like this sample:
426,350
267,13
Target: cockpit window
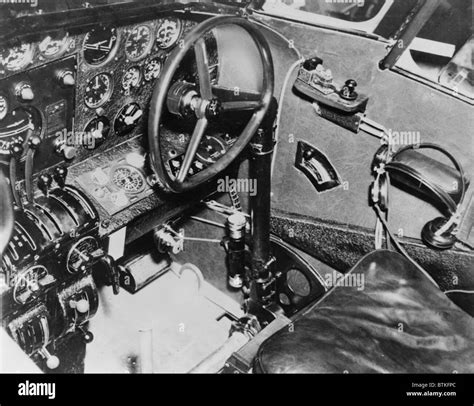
443,49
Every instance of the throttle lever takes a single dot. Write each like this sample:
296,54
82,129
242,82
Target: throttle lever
113,273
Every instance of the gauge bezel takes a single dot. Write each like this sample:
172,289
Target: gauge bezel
107,96
149,46
71,250
98,118
29,57
7,106
66,40
132,169
140,77
160,61
180,32
117,115
112,52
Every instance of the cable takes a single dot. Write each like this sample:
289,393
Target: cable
401,249
465,243
280,108
470,292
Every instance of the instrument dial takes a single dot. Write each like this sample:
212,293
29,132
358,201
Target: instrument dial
210,149
98,90
100,45
80,254
97,131
127,119
168,32
54,45
139,42
152,69
3,107
131,78
129,179
17,126
16,58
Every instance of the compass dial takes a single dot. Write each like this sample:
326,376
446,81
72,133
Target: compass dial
98,90
139,42
128,179
99,45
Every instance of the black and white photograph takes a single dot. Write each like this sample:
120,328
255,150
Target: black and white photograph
248,187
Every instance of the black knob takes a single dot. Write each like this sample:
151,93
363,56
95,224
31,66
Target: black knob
308,154
87,337
16,149
34,142
348,90
60,174
312,63
44,183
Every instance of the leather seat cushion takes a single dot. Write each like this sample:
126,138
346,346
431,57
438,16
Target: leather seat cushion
398,323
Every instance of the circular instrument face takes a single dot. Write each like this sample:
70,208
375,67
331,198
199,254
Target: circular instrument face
127,118
128,179
139,42
99,45
16,58
54,45
152,69
131,78
210,149
27,283
97,131
15,127
79,256
3,107
98,90
168,32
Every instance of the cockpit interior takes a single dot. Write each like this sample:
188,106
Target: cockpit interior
236,186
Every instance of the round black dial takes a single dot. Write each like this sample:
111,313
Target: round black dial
99,45
139,42
152,69
210,149
17,126
97,131
98,90
127,119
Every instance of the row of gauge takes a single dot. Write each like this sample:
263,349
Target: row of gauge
99,45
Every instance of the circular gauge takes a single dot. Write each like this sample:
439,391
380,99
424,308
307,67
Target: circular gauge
79,256
27,283
152,69
98,90
16,58
127,119
3,107
168,32
210,149
131,78
54,45
96,131
16,127
139,42
128,179
99,45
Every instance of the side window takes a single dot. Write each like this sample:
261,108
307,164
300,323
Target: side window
442,52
